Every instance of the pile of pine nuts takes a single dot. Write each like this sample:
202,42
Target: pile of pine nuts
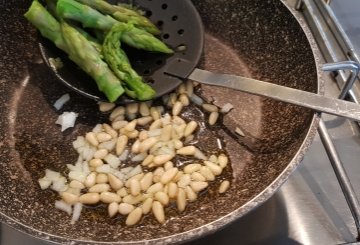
130,164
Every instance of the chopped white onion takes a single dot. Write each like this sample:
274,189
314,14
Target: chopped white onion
44,183
139,157
134,171
63,206
97,129
126,170
88,153
112,160
79,142
239,132
52,175
85,168
77,211
119,175
61,101
77,175
108,145
67,120
59,185
106,169
226,108
124,155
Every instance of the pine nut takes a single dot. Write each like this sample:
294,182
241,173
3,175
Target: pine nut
109,197
122,192
177,108
135,187
144,109
180,130
96,162
161,159
101,178
162,197
146,206
135,148
158,173
178,176
190,128
178,144
118,111
190,194
104,106
101,154
191,168
89,198
147,144
91,138
207,173
187,150
198,186
154,112
215,169
172,99
143,135
184,181
148,160
210,107
168,175
69,198
133,134
118,118
155,188
223,160
172,190
168,165
132,108
181,89
181,200
166,133
142,121
224,186
184,99
90,180
125,208
114,182
99,188
113,208
121,144
158,211
130,199
109,130
131,125
102,137
213,159
156,124
134,217
213,117
189,88
76,184
178,120
74,191
119,124
146,181
197,177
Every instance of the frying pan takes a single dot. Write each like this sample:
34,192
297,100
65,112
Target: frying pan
264,40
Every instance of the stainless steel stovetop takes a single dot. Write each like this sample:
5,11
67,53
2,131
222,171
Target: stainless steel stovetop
310,207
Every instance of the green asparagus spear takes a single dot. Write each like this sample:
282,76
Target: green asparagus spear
119,63
87,57
123,14
90,62
135,37
89,17
48,26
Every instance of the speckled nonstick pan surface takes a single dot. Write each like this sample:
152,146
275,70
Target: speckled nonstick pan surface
255,38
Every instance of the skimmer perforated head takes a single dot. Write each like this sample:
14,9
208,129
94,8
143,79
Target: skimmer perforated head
181,29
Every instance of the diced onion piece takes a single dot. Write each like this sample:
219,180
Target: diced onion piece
124,155
239,132
77,212
134,171
139,157
77,175
61,101
59,185
112,160
79,142
63,206
67,120
44,183
52,175
106,169
226,108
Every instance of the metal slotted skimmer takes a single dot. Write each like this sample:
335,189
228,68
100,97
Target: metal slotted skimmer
183,31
